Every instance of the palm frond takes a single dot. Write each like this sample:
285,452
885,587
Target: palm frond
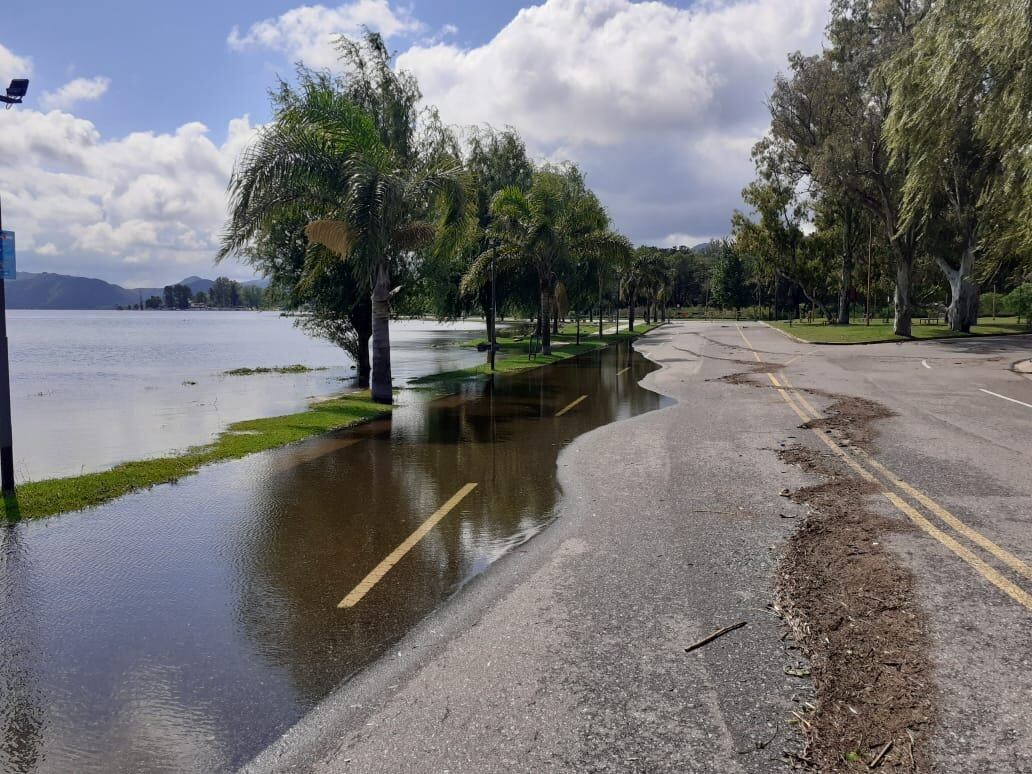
335,235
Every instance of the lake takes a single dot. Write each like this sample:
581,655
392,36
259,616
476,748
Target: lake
91,389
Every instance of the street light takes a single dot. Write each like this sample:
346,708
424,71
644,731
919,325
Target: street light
15,93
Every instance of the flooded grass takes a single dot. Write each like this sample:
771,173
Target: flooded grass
59,495
36,499
297,368
514,355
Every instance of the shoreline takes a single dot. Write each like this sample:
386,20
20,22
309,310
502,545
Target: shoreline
54,496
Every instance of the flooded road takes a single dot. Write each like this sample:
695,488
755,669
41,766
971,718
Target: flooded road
187,627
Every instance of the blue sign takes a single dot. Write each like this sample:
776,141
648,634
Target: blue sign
8,269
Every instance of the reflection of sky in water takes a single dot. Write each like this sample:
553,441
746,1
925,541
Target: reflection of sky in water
186,627
90,389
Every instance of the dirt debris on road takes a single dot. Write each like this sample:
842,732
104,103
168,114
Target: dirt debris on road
851,607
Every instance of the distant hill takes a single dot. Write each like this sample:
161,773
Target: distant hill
62,291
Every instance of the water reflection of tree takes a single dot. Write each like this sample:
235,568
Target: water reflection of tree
22,714
323,524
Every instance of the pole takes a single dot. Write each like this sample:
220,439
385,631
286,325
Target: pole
870,247
494,308
6,431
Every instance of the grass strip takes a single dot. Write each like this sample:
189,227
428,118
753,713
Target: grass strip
36,499
877,333
297,368
514,356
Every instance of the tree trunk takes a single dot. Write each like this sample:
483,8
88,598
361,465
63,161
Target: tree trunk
846,281
600,305
962,312
630,312
904,312
361,319
381,381
546,313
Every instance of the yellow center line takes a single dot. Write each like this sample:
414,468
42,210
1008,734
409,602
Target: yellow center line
395,556
621,373
1016,593
986,571
572,404
973,535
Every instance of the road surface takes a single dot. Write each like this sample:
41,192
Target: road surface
569,654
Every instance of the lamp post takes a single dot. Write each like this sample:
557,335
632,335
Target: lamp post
15,93
494,303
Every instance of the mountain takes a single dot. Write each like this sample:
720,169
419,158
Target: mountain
62,291
59,291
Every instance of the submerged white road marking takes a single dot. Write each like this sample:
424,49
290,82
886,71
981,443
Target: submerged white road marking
1004,397
925,364
621,373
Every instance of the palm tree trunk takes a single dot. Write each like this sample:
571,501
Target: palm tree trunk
600,305
361,320
381,381
631,310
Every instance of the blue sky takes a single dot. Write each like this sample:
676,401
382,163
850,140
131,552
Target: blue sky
118,161
169,62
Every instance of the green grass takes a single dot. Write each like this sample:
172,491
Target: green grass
297,368
876,332
513,356
58,495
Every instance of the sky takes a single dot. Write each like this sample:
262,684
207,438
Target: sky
116,165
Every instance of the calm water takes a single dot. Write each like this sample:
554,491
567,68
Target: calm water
91,389
186,628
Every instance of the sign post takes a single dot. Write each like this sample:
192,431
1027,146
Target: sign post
7,271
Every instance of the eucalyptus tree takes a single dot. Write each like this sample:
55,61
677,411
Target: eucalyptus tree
830,118
323,154
962,113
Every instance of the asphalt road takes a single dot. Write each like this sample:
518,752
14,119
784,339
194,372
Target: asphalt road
569,654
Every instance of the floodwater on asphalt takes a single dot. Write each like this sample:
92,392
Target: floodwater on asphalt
187,627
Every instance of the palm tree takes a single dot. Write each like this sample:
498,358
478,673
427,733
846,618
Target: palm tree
553,227
324,154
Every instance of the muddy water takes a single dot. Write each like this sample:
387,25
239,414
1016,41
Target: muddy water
185,628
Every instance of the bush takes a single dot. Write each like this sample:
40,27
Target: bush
1003,305
1020,300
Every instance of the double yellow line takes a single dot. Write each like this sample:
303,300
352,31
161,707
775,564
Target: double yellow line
896,491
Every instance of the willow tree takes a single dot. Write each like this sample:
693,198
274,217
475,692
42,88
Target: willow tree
323,153
962,114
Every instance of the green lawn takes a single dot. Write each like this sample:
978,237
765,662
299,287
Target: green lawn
513,354
58,495
858,333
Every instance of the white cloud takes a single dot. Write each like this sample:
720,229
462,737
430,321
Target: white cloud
74,92
144,208
13,66
307,33
659,105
